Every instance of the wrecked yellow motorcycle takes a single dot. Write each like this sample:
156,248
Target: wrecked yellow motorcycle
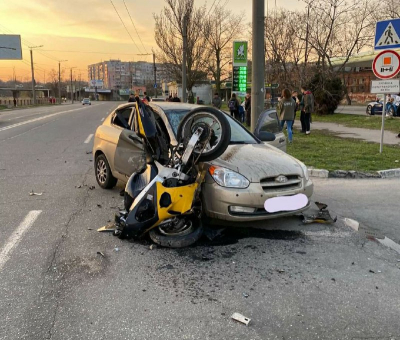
163,199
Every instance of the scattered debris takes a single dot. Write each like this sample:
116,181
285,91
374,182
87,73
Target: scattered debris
376,287
99,205
240,318
100,253
212,233
323,215
116,249
35,193
280,270
88,152
371,271
108,227
152,246
89,229
245,295
78,186
353,224
352,263
90,160
92,187
333,279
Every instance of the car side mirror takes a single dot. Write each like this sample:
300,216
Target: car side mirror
266,136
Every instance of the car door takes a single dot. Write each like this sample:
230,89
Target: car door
269,122
129,155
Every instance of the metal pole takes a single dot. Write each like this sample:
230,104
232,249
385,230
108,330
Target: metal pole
258,67
72,98
59,82
33,80
155,75
383,122
184,36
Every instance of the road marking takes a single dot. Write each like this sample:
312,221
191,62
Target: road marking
16,236
102,119
89,138
35,120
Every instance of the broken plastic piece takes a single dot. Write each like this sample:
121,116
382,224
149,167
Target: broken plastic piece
323,215
108,227
240,318
35,193
100,253
92,187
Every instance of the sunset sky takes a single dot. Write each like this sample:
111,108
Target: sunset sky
70,29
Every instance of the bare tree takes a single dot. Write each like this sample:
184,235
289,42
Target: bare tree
169,38
220,28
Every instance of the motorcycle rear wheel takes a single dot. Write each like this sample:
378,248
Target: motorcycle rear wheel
205,117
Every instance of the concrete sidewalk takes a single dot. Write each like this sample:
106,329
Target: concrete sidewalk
389,137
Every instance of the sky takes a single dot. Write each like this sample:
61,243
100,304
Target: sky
85,32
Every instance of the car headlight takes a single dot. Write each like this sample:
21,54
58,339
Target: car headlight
228,178
305,170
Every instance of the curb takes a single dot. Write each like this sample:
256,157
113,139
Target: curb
322,173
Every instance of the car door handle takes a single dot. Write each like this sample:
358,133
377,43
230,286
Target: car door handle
135,139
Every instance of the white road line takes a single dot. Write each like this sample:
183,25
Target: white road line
89,138
35,120
16,236
102,119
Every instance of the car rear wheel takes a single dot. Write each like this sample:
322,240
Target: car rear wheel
104,176
369,110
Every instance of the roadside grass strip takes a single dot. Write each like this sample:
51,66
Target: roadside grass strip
16,236
323,150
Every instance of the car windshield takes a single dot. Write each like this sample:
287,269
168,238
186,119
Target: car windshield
239,134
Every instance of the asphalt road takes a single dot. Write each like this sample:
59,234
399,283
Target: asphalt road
352,109
60,279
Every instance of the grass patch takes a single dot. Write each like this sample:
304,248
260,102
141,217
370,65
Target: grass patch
2,107
366,122
323,150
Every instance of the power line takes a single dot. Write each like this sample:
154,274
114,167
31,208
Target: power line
211,7
134,26
124,25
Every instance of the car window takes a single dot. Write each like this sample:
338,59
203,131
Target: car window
121,117
239,134
270,123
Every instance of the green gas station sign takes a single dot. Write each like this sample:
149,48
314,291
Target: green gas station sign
239,83
240,53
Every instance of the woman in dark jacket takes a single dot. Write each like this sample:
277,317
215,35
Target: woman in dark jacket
286,109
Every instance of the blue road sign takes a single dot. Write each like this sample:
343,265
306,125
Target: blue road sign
155,86
387,34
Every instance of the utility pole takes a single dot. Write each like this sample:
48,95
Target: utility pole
258,67
155,75
59,80
79,86
72,93
33,74
184,97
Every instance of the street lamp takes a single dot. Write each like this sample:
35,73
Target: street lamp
59,79
33,73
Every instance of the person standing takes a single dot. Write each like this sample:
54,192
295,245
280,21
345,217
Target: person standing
247,108
296,100
146,96
286,107
131,98
307,107
15,102
233,105
217,101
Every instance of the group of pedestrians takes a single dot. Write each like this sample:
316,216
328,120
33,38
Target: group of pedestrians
238,110
289,104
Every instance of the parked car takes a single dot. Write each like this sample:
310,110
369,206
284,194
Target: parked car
375,108
248,173
86,101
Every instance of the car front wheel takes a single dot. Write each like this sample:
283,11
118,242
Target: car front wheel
369,110
104,176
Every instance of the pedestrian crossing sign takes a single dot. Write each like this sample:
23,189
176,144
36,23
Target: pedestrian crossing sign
387,34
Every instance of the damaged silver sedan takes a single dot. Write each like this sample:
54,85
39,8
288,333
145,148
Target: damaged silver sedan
237,184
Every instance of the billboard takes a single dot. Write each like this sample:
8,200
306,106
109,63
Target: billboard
10,47
96,83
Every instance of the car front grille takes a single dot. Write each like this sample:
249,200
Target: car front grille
271,184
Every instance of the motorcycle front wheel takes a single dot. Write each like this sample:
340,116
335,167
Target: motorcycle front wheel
216,134
185,232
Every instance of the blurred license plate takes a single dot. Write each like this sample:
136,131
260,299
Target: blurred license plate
286,203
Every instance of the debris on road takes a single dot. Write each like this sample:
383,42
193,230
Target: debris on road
280,270
99,205
78,186
245,295
323,215
152,246
88,152
100,253
107,227
212,233
240,318
92,187
371,271
116,249
35,193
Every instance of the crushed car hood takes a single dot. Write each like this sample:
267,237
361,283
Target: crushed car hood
257,161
